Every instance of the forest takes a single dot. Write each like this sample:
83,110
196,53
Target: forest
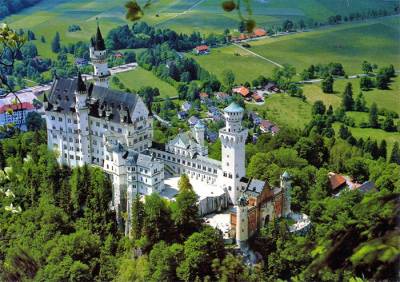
8,7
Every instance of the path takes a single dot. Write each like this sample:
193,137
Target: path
160,119
257,55
182,13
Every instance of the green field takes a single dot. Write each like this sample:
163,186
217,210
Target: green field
374,134
139,77
387,99
49,16
245,65
376,41
285,110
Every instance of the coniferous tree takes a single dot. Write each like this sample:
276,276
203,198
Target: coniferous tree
395,155
360,103
2,158
55,44
373,116
137,212
327,84
348,102
388,124
383,149
185,213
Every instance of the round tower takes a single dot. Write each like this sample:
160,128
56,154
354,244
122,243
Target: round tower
233,137
98,57
242,222
199,132
286,188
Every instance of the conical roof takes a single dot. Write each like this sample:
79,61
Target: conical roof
98,41
233,108
81,86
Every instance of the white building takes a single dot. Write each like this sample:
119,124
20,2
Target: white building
91,124
15,114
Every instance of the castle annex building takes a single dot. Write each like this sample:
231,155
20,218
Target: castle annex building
92,124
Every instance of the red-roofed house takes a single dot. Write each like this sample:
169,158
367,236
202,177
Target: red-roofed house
337,181
266,125
257,97
15,114
259,32
203,96
244,91
201,50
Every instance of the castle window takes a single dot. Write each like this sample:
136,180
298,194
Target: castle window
112,128
53,117
230,188
98,124
69,120
75,121
119,130
227,164
230,175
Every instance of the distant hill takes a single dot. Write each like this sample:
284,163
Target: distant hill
8,7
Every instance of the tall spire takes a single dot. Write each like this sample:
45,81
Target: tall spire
99,44
81,87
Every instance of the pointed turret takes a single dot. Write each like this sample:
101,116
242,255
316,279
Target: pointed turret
47,105
98,41
81,86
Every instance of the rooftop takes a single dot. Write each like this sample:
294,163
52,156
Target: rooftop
234,108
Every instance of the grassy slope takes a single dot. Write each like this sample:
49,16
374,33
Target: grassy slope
349,44
285,110
245,66
139,77
388,99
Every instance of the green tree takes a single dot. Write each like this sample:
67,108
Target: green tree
395,155
157,222
185,213
373,116
228,78
164,260
360,104
358,169
347,101
55,44
327,84
137,211
366,67
200,249
388,124
383,149
318,108
366,83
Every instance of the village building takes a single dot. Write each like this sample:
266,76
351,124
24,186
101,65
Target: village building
15,114
201,50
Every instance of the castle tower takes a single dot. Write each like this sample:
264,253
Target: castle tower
233,137
82,114
199,132
98,56
242,222
286,187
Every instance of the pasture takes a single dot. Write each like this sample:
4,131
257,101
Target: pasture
137,78
350,44
386,99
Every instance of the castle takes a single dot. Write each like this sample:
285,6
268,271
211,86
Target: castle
92,124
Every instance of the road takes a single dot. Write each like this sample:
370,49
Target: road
163,121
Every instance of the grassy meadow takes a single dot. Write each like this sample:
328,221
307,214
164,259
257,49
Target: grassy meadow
245,65
137,78
387,99
350,44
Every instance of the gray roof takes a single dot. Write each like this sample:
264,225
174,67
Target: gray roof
233,108
199,125
105,103
183,140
